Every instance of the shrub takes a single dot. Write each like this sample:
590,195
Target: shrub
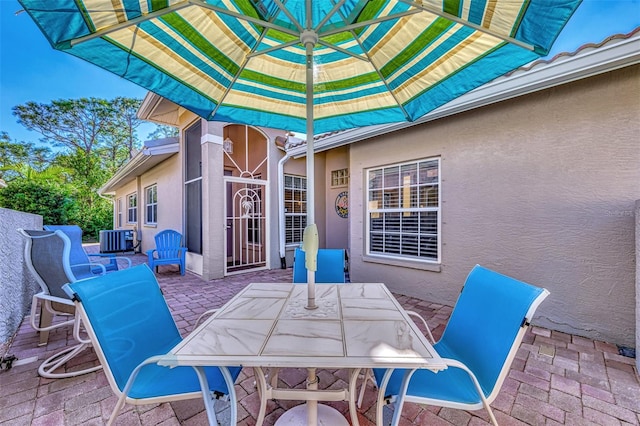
49,201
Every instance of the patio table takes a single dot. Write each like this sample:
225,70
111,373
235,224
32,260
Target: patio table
357,325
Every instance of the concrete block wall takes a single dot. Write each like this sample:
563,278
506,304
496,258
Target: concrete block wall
16,284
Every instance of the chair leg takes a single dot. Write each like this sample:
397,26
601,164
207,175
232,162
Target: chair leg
367,376
353,384
206,393
54,362
45,320
491,416
273,376
116,409
261,384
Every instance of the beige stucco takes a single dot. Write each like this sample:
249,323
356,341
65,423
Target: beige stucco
337,228
541,188
637,220
169,213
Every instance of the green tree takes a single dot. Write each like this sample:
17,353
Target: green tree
122,141
163,131
93,138
20,160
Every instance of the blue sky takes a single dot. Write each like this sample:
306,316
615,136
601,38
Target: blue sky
31,70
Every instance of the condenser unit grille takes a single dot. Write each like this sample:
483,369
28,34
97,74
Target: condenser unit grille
115,241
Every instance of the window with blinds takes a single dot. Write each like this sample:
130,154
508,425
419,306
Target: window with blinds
403,210
295,208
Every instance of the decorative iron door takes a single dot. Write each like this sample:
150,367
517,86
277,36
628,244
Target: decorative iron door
246,224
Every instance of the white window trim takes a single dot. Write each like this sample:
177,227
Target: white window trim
288,214
397,259
119,203
344,178
129,208
147,204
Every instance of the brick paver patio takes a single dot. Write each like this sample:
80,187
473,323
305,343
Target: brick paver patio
556,379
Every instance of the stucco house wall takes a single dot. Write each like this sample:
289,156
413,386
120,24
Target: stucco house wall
541,187
165,176
121,197
337,228
169,199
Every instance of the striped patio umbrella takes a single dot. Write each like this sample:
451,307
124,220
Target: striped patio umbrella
301,65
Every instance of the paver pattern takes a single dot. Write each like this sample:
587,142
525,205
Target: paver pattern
556,378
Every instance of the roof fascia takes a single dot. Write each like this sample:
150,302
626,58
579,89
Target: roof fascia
148,105
136,163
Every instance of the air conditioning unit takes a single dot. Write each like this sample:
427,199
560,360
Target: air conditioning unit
115,241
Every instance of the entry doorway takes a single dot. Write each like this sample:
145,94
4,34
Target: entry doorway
246,225
245,183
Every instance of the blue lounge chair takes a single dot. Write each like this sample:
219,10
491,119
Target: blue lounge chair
331,266
478,344
47,258
169,250
79,256
132,329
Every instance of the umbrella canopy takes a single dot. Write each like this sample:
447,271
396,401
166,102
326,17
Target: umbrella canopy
302,65
244,61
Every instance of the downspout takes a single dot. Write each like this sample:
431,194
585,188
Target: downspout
111,199
281,216
281,212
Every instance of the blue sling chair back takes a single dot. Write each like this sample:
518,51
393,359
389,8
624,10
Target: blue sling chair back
331,266
78,256
479,343
131,328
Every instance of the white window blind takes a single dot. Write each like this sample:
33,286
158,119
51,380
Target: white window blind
295,207
403,210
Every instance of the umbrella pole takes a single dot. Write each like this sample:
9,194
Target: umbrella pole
310,38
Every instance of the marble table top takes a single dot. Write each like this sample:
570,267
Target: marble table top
357,325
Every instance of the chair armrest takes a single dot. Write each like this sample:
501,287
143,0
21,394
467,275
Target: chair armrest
101,255
124,259
454,363
201,317
424,322
132,377
91,265
113,258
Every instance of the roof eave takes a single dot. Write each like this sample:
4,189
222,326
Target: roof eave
159,110
144,160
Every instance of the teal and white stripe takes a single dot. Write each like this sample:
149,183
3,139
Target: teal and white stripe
206,56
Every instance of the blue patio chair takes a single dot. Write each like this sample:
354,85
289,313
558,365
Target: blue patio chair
132,329
79,256
46,256
478,344
331,266
169,250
